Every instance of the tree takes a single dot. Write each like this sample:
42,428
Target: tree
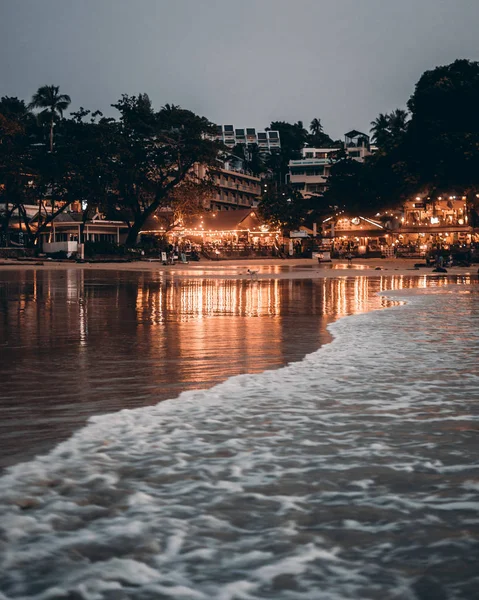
380,130
156,154
389,129
293,136
346,186
252,157
52,105
283,206
315,127
317,137
398,124
444,129
186,200
15,159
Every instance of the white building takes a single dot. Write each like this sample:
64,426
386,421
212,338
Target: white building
268,141
310,174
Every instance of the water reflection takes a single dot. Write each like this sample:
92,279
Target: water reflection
76,343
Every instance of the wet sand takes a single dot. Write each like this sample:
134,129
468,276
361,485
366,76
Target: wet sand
267,268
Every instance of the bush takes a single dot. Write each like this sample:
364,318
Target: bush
104,248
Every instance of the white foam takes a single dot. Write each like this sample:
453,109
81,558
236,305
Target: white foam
267,486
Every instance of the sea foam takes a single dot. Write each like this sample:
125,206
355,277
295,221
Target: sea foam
351,474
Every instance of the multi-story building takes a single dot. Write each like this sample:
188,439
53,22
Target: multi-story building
268,141
310,174
234,188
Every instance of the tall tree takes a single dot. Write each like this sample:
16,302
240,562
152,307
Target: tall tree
252,157
398,124
15,158
156,154
293,136
380,130
52,105
283,206
317,138
444,130
315,127
389,129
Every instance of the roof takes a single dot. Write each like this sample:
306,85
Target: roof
224,220
355,133
66,217
242,219
63,217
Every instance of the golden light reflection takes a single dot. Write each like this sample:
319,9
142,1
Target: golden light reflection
49,307
103,341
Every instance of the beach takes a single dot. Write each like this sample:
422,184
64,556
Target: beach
195,432
302,268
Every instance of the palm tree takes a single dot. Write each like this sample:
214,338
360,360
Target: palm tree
398,123
315,127
380,129
48,98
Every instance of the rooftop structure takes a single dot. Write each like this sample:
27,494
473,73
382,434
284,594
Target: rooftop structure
268,141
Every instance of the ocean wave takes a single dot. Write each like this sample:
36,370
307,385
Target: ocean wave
350,474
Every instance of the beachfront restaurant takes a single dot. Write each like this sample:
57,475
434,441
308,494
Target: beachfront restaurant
431,223
359,235
220,234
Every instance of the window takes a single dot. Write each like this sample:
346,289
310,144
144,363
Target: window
315,172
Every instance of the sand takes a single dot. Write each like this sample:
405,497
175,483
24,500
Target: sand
267,268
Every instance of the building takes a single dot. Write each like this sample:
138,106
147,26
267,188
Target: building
434,222
223,234
268,141
309,175
234,188
421,225
64,232
357,145
357,234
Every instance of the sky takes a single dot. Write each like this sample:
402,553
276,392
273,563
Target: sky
239,62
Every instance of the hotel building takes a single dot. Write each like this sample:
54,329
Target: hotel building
234,188
310,174
268,141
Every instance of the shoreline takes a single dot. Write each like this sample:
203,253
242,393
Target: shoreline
267,268
299,269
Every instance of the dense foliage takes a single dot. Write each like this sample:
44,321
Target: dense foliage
127,167
432,150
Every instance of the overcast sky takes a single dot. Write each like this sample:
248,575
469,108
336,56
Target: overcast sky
240,62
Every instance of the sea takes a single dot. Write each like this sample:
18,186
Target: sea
334,458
